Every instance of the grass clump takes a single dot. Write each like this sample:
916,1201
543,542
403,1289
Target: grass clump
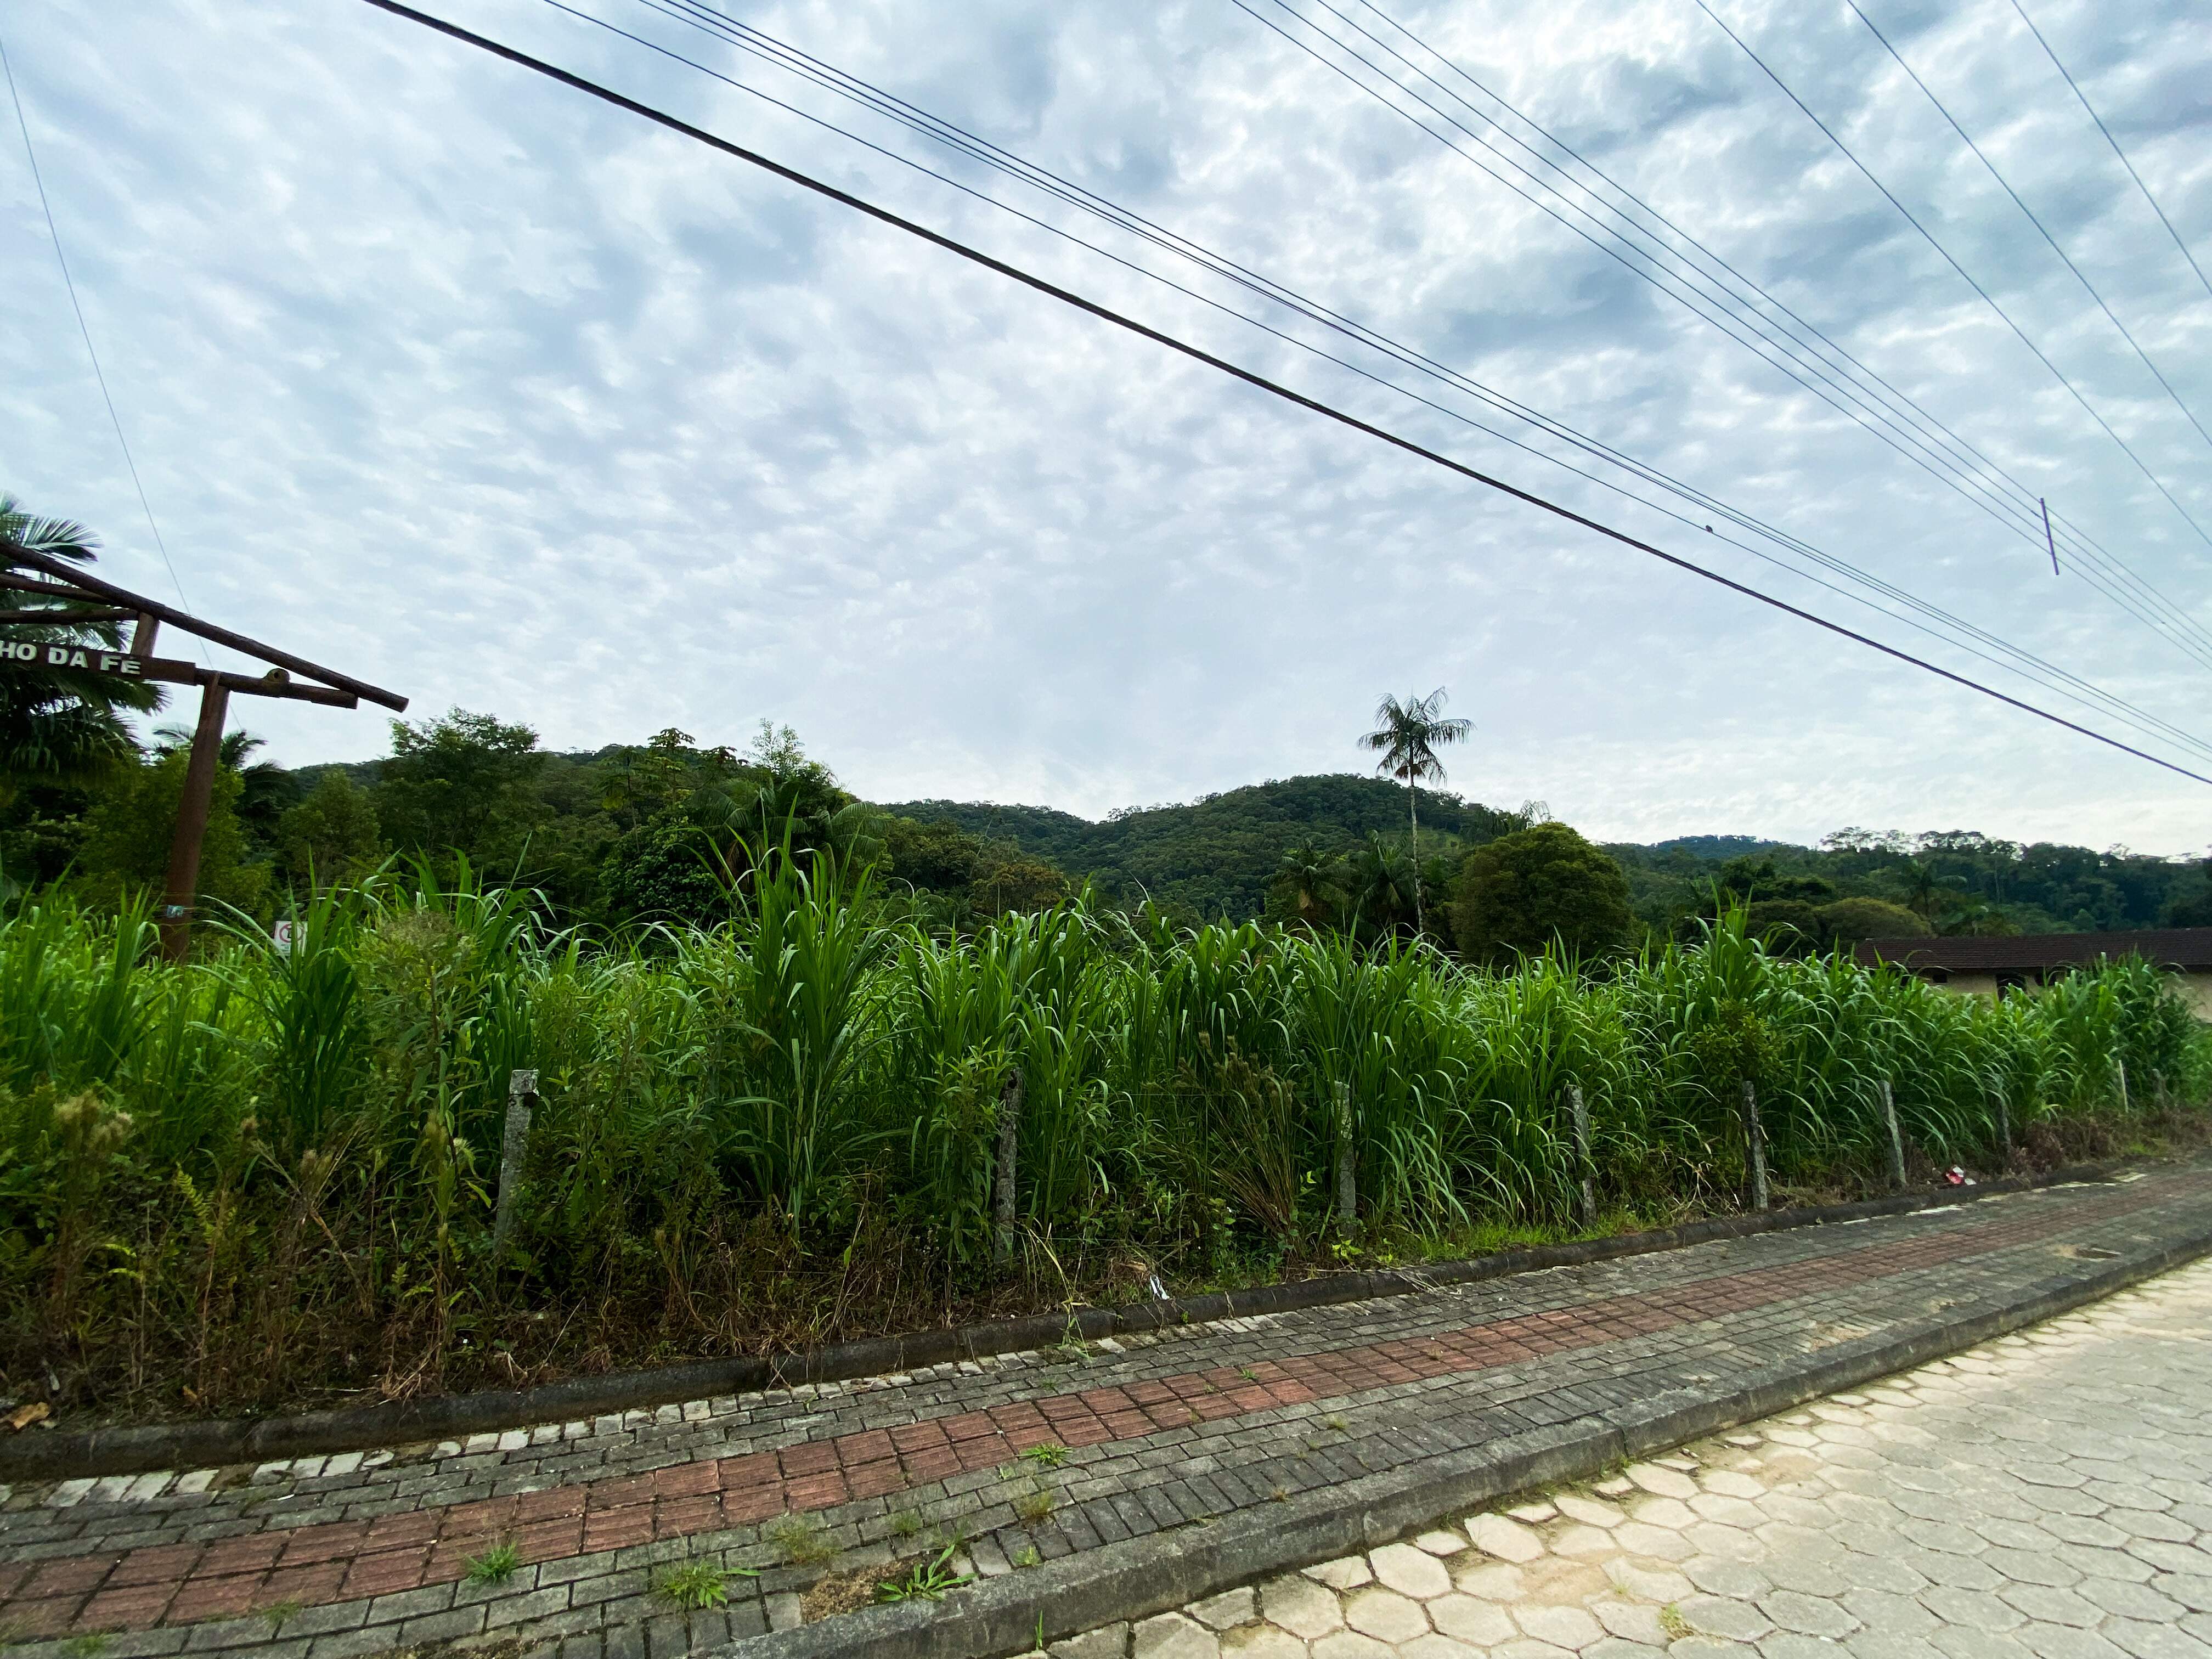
801,1542
925,1581
699,1586
494,1566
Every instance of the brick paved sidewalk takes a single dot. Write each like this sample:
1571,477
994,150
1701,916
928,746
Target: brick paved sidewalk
2047,1494
1021,1461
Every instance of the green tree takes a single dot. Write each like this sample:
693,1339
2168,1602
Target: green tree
1408,736
1017,884
463,783
1380,879
129,831
1309,886
665,871
1522,891
330,838
265,784
58,723
1849,920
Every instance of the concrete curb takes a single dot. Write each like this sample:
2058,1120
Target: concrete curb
61,1455
1160,1573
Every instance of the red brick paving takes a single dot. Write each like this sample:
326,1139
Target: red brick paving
182,1584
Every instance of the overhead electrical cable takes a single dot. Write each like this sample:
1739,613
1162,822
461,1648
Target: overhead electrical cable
2115,143
1143,331
2039,672
85,330
2083,548
1989,299
2023,515
2088,286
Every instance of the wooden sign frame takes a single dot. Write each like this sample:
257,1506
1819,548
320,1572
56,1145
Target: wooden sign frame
75,599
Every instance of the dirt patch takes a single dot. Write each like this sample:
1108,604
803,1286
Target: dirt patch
847,1592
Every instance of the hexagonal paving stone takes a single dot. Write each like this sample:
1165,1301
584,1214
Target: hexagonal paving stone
1345,1572
1659,1542
1571,1628
1384,1615
1173,1636
1261,1642
1494,1580
1662,1482
1509,1541
1350,1645
1807,1615
1469,1620
1409,1571
1300,1607
1589,1511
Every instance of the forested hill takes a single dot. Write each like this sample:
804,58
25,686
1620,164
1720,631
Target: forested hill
1215,855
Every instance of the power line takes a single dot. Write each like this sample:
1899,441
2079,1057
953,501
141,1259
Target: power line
2047,676
2115,143
1090,307
1976,478
70,283
2087,287
1987,299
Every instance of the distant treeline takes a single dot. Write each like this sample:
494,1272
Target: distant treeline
659,831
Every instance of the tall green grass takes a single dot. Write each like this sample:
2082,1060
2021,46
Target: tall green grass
208,1167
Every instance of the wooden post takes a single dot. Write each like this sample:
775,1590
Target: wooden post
513,1152
1009,1123
1581,1112
142,634
2120,1062
1893,1143
1347,1181
182,888
1754,1135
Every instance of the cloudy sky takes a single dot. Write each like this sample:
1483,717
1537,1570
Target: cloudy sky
469,385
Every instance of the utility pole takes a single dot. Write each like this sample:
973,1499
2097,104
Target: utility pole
2048,541
71,598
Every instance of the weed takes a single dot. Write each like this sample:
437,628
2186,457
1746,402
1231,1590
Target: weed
1034,1505
1337,1424
1676,1626
277,1611
87,1646
1248,1373
1280,1495
1027,1556
907,1523
699,1585
801,1542
1049,1454
494,1566
926,1580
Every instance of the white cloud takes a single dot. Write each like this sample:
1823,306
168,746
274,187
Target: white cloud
467,385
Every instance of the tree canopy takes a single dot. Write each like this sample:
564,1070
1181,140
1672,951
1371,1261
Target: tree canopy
1542,885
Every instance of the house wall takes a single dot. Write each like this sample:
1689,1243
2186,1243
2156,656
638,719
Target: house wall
2196,990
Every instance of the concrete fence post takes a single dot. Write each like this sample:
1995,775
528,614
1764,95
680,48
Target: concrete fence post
1347,1179
1754,1135
1893,1139
1582,1165
1010,1126
514,1156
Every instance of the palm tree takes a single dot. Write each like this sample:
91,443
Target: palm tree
1312,881
264,784
1381,876
55,725
1408,736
